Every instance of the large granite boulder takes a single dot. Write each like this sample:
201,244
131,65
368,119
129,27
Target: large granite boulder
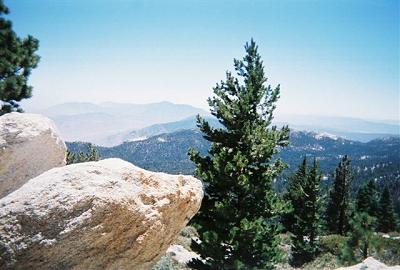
29,146
96,215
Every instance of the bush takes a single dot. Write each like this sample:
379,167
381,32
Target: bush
323,261
332,243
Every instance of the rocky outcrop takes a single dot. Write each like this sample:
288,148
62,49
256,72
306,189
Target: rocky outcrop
370,264
95,215
29,146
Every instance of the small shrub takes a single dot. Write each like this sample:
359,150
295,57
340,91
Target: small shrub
332,243
323,261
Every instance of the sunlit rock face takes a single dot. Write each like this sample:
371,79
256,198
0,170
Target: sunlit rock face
108,214
29,146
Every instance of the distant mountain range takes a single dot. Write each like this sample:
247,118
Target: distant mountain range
144,133
96,123
110,124
346,127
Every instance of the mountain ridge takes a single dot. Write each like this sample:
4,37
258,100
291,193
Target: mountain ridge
190,122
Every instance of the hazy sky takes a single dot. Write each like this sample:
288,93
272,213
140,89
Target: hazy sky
336,58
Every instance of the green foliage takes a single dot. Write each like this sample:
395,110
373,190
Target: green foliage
91,154
332,248
332,243
323,261
17,59
237,222
337,213
393,184
387,218
367,199
303,195
360,238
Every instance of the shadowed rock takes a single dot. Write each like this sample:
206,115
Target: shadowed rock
29,146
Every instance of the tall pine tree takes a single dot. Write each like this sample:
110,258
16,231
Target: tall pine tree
337,213
293,194
17,59
237,222
303,194
367,199
387,217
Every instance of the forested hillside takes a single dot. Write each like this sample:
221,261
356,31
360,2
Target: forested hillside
378,159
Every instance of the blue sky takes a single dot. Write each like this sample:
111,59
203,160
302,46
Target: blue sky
338,58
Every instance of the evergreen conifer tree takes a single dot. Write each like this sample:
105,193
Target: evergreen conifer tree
359,238
367,199
237,222
337,213
303,194
387,217
17,59
293,194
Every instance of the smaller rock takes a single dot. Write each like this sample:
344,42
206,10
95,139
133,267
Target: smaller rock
370,264
29,145
181,254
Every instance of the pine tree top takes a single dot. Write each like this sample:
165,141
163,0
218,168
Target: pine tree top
17,60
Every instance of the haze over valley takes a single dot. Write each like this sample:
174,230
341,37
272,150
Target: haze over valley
110,124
